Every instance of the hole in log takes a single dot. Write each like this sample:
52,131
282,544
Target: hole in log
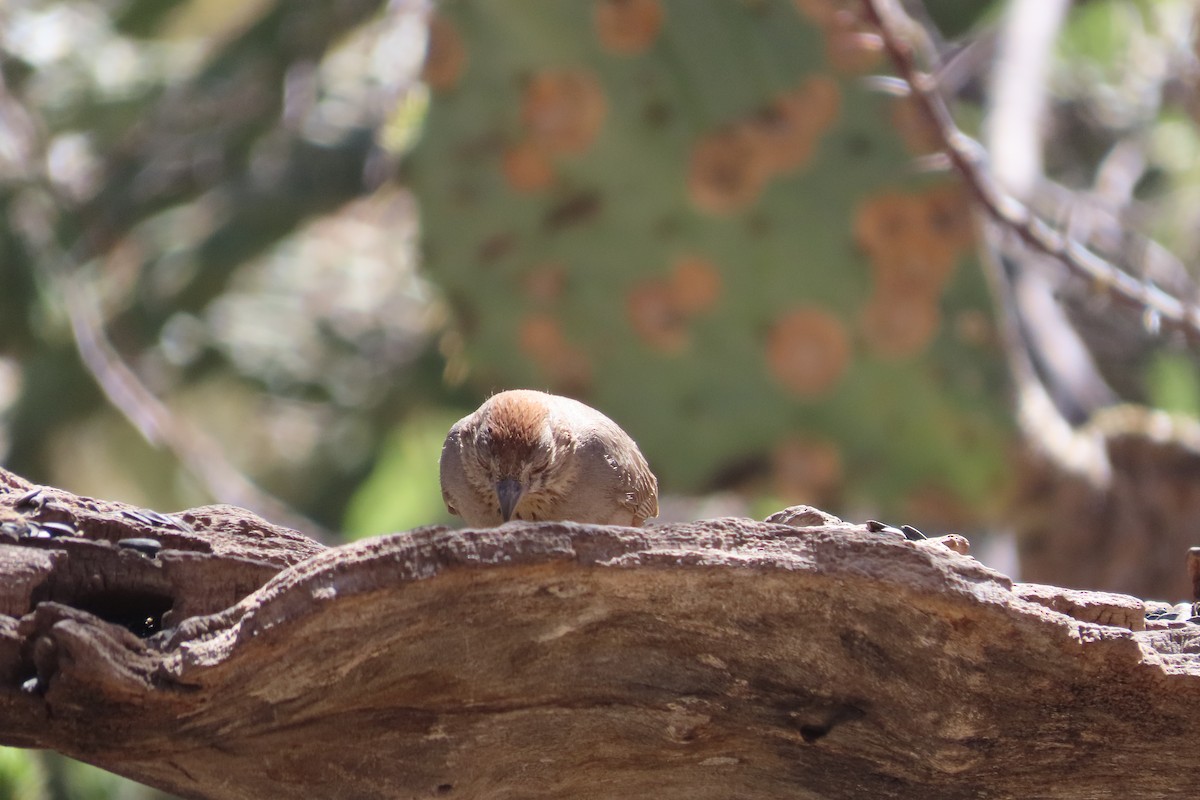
140,613
843,713
810,733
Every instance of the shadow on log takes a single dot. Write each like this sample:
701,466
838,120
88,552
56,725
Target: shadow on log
217,656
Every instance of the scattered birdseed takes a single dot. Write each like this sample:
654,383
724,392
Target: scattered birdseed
145,546
30,500
58,528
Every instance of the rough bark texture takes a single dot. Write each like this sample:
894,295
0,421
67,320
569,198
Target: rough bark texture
726,658
1128,534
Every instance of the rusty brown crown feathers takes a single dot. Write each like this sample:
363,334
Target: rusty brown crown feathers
529,455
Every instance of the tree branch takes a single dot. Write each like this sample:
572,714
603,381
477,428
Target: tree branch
715,659
1161,311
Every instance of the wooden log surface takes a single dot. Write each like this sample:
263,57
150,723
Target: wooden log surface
717,659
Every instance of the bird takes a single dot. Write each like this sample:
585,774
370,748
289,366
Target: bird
530,455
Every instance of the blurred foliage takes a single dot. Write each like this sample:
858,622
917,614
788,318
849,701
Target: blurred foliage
1124,146
690,214
79,781
403,490
216,179
41,775
21,775
1174,384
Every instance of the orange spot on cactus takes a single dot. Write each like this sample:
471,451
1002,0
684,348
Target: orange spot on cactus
824,99
882,220
912,243
887,226
808,351
545,284
655,317
787,131
850,48
786,146
922,269
661,309
896,326
445,55
807,470
540,335
919,135
822,12
628,27
563,111
526,168
695,285
541,339
948,215
727,171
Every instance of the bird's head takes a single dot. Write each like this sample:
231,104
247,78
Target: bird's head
515,449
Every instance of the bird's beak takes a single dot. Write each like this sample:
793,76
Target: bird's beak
509,491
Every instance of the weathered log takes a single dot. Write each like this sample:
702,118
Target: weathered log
724,658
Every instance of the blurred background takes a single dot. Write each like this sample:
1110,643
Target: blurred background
265,253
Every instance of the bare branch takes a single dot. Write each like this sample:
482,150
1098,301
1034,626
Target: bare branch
1159,309
199,454
196,451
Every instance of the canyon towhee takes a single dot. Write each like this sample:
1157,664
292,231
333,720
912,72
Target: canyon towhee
535,456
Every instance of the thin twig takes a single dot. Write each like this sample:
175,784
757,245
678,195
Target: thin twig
199,454
197,451
1161,310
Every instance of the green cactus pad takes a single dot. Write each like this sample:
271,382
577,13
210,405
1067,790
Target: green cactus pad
692,216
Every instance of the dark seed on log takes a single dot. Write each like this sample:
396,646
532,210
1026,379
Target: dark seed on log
180,524
31,499
875,526
34,531
149,547
58,529
137,516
